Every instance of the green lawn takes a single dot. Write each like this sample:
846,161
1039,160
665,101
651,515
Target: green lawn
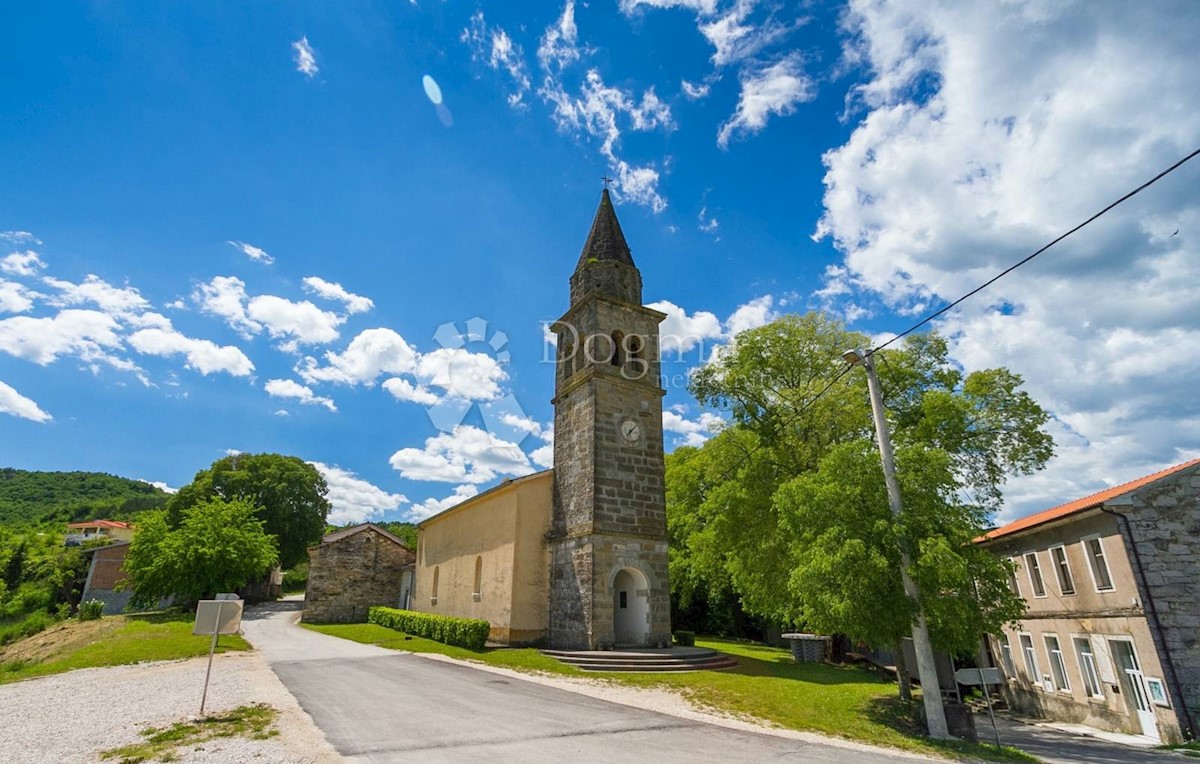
767,685
111,641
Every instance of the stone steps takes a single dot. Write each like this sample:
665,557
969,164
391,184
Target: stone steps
645,660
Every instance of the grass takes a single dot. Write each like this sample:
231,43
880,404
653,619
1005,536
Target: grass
1187,749
111,641
161,743
767,685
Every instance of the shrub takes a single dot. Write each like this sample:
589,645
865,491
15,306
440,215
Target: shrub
26,627
685,638
91,610
295,579
470,633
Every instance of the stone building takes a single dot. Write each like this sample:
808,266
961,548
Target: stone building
1111,633
354,569
575,557
105,572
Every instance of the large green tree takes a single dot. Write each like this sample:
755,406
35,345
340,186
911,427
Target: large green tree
288,494
787,504
217,547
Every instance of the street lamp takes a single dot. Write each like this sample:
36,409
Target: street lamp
931,689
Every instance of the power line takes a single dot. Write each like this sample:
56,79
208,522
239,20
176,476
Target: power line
1018,264
970,294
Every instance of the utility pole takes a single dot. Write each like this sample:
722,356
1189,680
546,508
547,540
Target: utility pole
931,688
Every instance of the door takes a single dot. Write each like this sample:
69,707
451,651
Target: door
1135,685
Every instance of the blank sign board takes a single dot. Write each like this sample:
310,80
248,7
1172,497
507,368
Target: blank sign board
972,676
218,617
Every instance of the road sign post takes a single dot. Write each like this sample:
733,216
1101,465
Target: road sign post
983,677
216,617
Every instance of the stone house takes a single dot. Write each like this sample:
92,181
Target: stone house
574,557
1111,633
354,569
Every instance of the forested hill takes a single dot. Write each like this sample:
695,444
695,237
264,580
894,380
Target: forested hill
34,497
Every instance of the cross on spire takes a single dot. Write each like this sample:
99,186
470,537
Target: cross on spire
606,180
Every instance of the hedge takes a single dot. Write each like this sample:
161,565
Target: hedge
685,638
470,633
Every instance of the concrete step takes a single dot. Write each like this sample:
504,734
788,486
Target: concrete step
646,660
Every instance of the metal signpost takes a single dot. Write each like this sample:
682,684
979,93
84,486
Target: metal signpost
984,677
216,617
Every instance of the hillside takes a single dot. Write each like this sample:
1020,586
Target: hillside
34,497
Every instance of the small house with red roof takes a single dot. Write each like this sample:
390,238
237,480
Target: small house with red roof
1111,633
116,530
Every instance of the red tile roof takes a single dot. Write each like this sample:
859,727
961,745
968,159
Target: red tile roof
1084,504
100,524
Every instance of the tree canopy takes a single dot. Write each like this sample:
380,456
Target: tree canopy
787,505
28,497
217,547
288,494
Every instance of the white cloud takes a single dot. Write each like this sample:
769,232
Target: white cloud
474,376
983,132
707,226
431,506
494,48
694,431
305,58
22,263
403,390
693,91
334,291
773,89
751,315
372,353
19,237
354,500
706,7
680,332
15,298
119,302
254,253
290,388
559,46
225,297
160,485
203,356
466,455
88,334
735,37
543,455
12,402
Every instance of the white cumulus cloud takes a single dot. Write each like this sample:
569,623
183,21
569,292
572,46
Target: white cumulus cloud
12,402
354,500
290,388
22,263
466,455
305,58
257,254
431,506
336,292
771,90
204,356
371,353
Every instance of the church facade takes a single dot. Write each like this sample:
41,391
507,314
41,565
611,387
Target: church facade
574,557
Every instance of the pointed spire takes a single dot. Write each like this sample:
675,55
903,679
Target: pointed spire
606,241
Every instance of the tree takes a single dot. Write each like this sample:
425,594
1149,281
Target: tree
218,547
788,503
288,494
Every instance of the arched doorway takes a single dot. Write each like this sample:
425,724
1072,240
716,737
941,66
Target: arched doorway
631,607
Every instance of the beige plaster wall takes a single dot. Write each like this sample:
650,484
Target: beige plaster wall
504,530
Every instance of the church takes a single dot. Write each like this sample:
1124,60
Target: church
574,557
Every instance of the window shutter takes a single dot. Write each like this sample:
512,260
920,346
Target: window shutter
1104,662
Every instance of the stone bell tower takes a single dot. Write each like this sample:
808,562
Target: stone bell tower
608,537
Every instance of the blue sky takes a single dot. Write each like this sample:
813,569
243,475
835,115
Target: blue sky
243,227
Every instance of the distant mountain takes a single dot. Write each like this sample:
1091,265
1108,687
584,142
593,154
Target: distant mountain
34,497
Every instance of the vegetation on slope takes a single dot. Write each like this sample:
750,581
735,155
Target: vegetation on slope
37,497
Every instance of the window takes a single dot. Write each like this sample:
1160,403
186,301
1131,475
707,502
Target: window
1058,666
1157,691
1062,569
618,349
1098,563
624,602
1035,575
477,594
1087,667
1012,576
1031,664
1006,656
433,593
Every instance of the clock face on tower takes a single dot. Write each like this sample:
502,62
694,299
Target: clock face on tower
631,431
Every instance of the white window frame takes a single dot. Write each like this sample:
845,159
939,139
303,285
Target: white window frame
1030,656
1006,656
1013,579
1088,671
1060,664
1087,556
1156,686
1033,587
1058,571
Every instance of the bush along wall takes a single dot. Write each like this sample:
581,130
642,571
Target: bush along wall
470,633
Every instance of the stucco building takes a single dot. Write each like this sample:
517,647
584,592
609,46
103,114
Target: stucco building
574,557
1111,633
354,569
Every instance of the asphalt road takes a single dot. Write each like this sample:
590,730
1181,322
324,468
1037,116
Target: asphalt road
376,705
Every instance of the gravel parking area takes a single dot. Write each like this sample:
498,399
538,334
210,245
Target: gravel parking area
73,717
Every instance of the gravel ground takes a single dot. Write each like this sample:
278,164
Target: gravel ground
73,717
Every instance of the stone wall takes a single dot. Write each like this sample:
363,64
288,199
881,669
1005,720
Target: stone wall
348,576
1164,534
